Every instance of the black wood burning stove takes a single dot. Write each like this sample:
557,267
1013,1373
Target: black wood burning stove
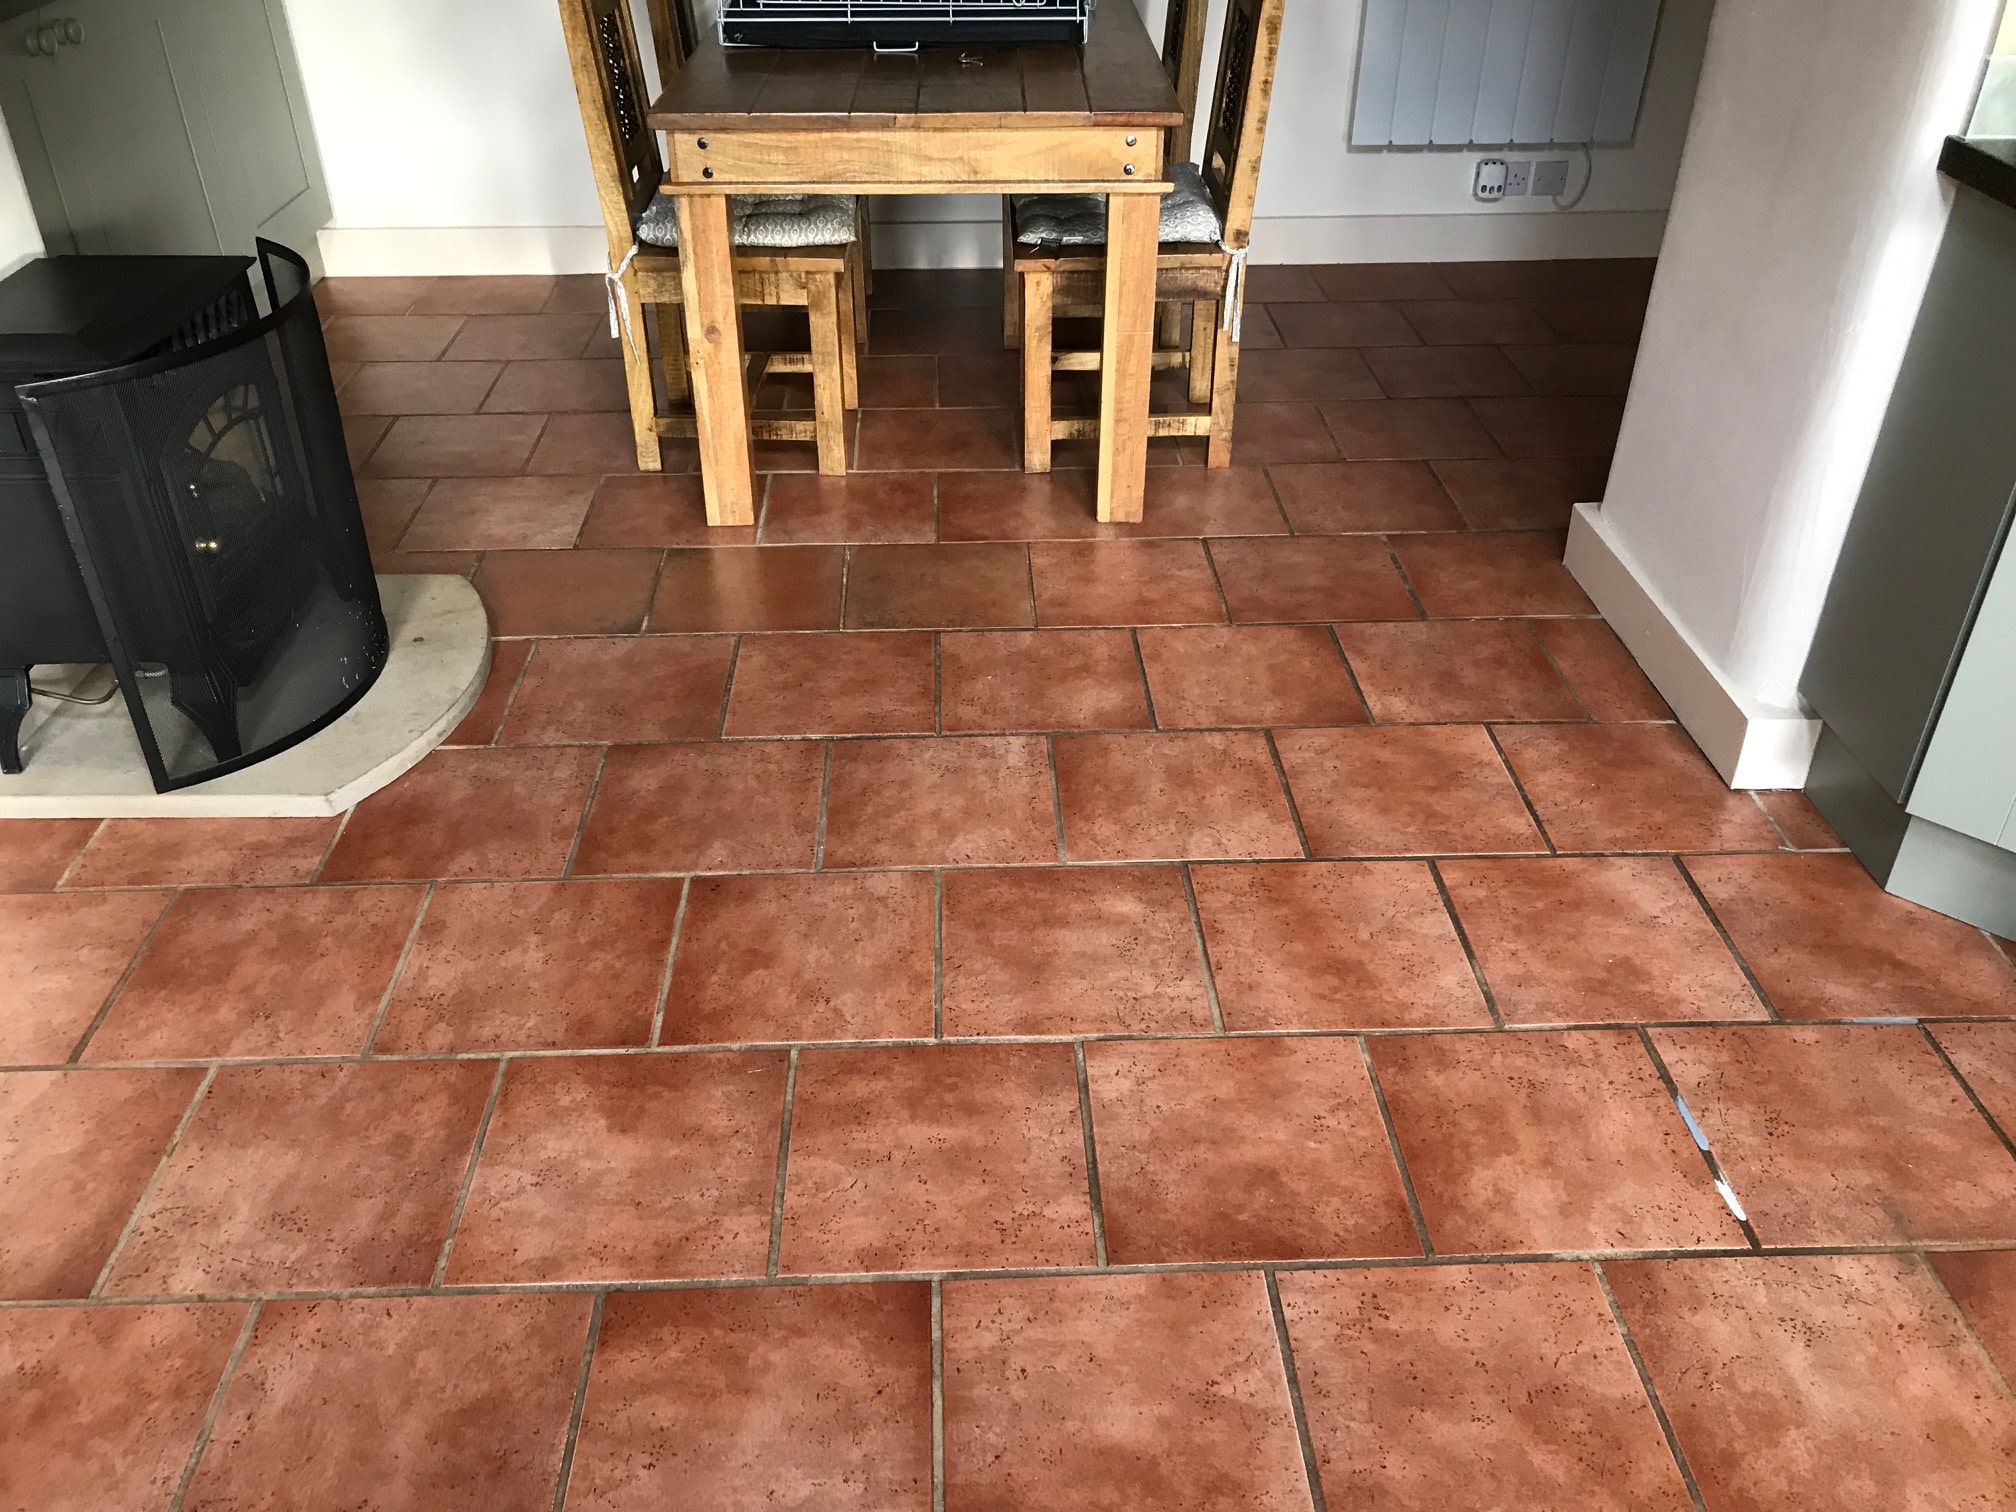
187,515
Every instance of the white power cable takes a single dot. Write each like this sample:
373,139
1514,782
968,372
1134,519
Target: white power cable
1588,177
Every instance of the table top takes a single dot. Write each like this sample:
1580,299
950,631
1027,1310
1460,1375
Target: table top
1115,79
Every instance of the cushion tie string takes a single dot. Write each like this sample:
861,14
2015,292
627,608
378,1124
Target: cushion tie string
1235,312
619,307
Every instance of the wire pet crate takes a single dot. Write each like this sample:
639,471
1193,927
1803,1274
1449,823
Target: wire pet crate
902,25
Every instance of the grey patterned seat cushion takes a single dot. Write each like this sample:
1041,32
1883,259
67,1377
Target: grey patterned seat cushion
779,222
1079,220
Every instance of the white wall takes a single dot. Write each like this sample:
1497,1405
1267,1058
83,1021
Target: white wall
20,237
452,143
1802,233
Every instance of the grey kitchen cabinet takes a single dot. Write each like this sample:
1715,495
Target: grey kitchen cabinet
164,126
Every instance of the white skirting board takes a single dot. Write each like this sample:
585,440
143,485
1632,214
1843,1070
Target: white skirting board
1751,745
361,252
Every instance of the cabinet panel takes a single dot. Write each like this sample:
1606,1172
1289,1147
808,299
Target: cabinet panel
1968,782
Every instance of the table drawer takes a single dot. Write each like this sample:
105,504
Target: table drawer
951,159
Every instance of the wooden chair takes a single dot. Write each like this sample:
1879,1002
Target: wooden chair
1059,280
1183,27
629,173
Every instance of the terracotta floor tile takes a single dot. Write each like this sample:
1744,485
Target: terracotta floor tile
1577,277
1398,791
1639,787
1810,1383
470,813
702,808
1986,1056
656,509
1490,575
76,1150
934,328
1081,950
485,296
1066,1393
1266,434
261,971
1400,430
400,1404
1204,501
35,853
836,684
1440,372
612,1168
61,956
309,1176
1124,583
937,440
368,296
533,966
1242,1149
928,587
1346,281
1547,1142
500,514
1609,683
1212,676
1984,1284
559,387
1041,680
973,801
598,443
1598,318
805,508
568,592
462,564
1334,945
1456,672
628,689
107,1434
418,388
1552,427
1340,498
361,436
889,382
203,853
1309,374
802,1397
578,292
1849,1134
1593,370
946,1157
858,967
486,716
1357,323
456,446
1172,797
1803,826
389,338
1310,578
747,588
408,1404
388,505
1474,1387
1827,942
511,338
1532,494
1591,941
1018,506
1459,322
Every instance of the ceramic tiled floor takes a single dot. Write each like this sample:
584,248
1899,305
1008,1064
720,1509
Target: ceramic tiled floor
933,1002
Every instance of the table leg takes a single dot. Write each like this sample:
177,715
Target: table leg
1127,361
718,366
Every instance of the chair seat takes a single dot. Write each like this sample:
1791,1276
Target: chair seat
1079,220
777,221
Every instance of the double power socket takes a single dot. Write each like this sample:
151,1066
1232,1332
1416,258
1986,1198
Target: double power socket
1516,178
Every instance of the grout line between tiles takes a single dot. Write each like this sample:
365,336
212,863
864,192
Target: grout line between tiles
1311,1472
938,1396
215,1407
78,859
1421,609
469,1172
1463,939
937,682
671,963
1133,635
728,687
937,955
2007,1136
1651,1391
1728,940
587,808
1288,792
1698,1136
1393,1147
1056,796
510,698
398,972
783,1164
1203,947
119,987
2007,1383
572,1440
153,1181
819,830
1547,651
1491,734
1358,688
1091,1155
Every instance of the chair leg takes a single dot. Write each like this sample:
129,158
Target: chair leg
1224,396
672,353
637,377
1203,350
823,295
1169,325
1011,283
1037,292
861,279
864,221
850,338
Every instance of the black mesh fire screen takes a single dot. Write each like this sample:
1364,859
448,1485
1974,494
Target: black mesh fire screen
208,497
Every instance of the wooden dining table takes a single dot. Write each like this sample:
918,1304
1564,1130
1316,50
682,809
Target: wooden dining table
1018,120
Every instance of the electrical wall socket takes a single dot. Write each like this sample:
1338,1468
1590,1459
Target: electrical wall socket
1518,178
1489,185
1550,177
